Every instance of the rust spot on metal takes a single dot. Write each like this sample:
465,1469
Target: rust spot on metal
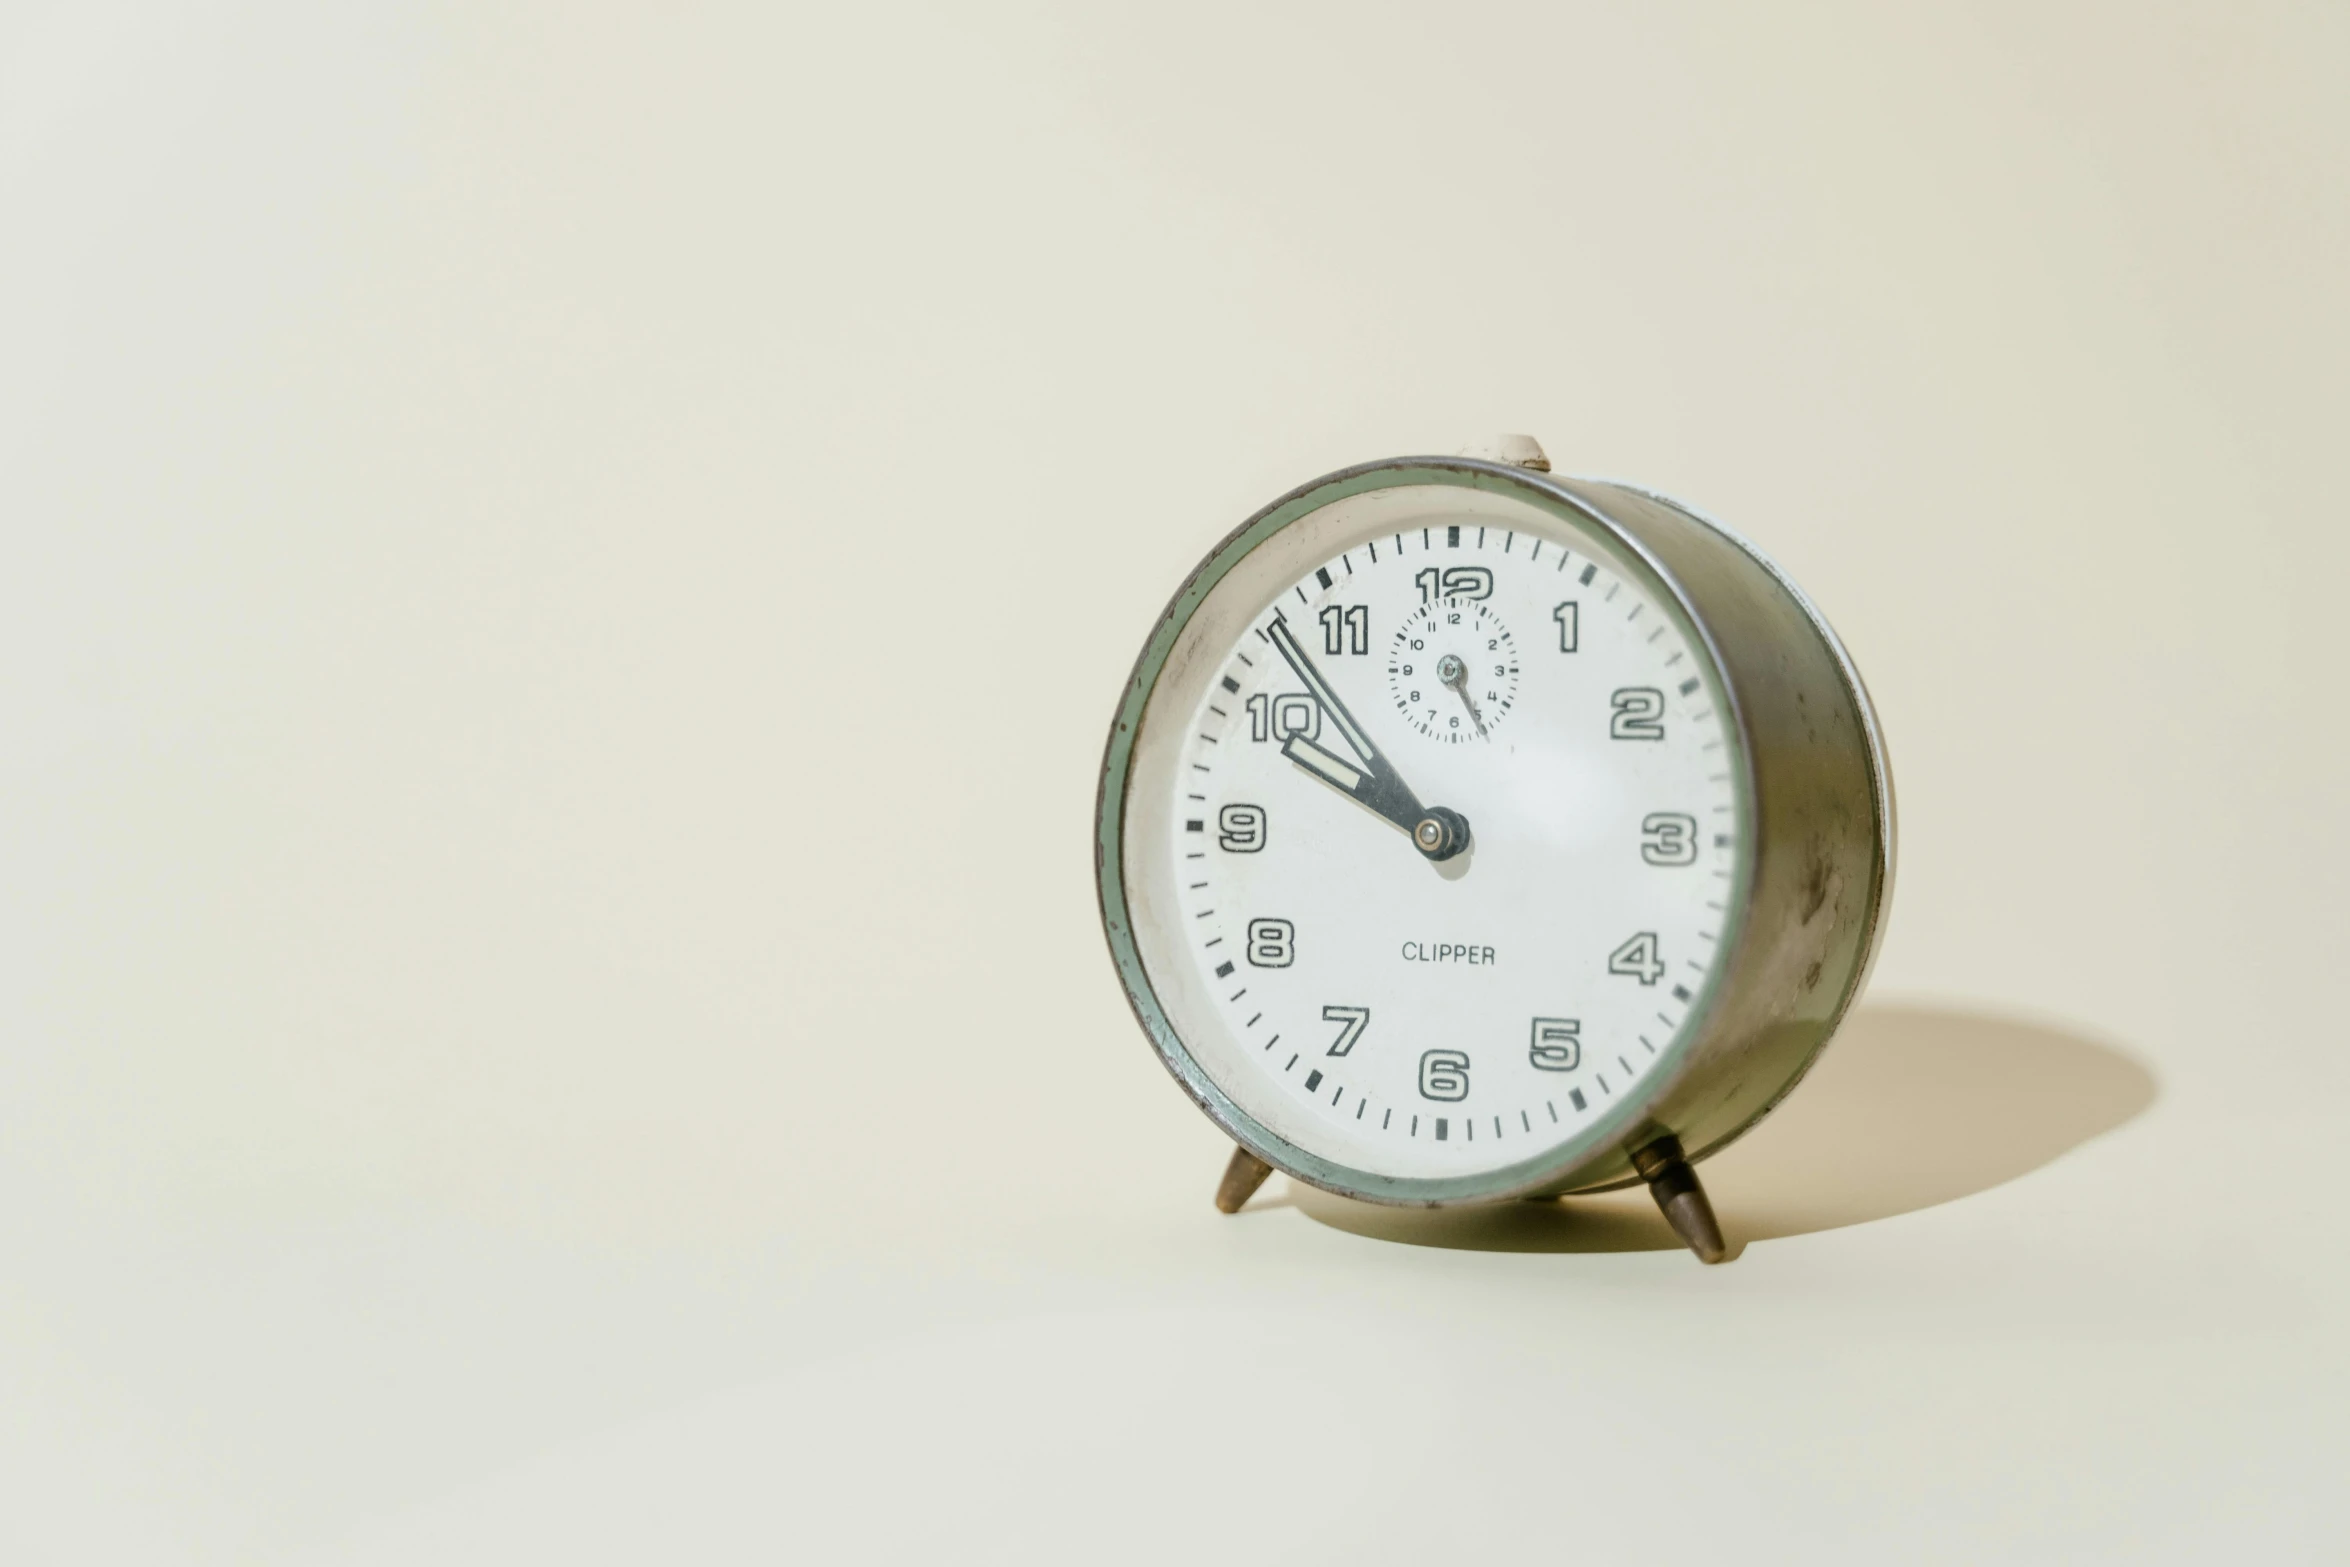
1815,888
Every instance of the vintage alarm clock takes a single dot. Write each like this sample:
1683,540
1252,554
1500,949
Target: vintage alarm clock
1469,833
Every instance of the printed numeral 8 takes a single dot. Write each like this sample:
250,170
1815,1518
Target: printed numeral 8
1272,943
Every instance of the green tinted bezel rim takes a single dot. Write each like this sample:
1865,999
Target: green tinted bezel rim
1607,1132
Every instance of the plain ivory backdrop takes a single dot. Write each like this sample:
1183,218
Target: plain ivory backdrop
562,573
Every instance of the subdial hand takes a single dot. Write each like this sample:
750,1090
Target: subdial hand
1452,672
1374,784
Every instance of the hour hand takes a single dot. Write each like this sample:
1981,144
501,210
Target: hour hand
1375,786
1372,783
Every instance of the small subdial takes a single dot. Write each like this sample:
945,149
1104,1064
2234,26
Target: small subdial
1453,669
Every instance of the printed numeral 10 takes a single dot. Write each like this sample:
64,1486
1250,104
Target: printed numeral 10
1279,717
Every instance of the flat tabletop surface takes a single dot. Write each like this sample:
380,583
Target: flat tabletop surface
562,574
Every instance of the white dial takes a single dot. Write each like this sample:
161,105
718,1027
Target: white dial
1407,1005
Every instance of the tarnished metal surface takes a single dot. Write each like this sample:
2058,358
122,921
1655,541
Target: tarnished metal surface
1680,1197
1242,1176
1817,806
1822,828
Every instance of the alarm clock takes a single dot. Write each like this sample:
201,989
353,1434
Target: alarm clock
1469,833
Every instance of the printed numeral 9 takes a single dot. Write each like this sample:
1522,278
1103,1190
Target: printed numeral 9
1241,828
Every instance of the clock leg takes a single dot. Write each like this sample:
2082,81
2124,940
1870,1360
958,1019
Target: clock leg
1674,1186
1242,1177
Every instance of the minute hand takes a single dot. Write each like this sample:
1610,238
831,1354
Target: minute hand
1374,784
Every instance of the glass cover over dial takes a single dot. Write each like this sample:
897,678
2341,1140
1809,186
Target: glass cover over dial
1449,841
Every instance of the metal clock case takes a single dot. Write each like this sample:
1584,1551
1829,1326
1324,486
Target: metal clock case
1468,832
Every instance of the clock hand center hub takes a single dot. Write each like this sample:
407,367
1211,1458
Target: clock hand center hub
1455,675
1441,833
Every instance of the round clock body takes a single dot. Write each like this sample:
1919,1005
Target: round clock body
1466,829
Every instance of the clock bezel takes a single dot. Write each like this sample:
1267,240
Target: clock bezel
1592,1155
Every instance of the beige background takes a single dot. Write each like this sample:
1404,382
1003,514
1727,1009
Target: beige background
561,575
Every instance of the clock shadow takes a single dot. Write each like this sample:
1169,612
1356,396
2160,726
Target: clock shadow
1909,1107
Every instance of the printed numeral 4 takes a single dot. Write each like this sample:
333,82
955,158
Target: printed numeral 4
1638,959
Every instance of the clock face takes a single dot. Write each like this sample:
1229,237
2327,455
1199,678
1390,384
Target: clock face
1453,1004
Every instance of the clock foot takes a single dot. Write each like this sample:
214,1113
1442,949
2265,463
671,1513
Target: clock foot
1674,1186
1242,1177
